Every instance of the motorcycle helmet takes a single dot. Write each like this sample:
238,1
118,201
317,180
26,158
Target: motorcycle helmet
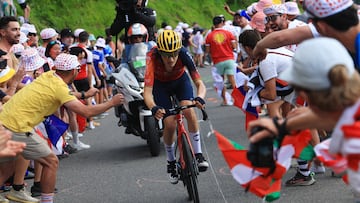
168,41
137,29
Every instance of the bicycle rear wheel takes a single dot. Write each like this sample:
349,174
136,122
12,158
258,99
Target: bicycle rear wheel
189,172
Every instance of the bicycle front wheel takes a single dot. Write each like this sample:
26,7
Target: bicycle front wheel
190,172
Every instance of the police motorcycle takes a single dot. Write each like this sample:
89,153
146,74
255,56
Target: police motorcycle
129,80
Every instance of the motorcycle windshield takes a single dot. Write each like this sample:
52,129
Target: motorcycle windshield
138,59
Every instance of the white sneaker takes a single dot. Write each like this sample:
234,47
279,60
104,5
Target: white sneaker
3,200
80,134
21,196
80,146
317,169
68,136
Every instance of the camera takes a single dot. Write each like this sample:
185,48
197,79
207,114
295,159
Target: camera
261,154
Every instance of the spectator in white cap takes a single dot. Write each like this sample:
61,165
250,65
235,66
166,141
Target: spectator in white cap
324,75
32,62
47,35
52,91
77,33
99,66
17,49
32,35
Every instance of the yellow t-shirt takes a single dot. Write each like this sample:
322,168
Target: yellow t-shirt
32,103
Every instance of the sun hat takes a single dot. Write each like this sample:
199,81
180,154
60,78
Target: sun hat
292,8
258,21
66,62
313,61
325,8
6,74
17,49
100,43
261,4
48,33
78,31
31,60
275,9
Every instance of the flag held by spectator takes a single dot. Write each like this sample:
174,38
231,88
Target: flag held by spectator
55,128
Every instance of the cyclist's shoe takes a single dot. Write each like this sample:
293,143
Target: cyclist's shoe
172,171
301,180
203,165
21,196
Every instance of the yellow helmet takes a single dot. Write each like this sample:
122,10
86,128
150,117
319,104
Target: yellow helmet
168,41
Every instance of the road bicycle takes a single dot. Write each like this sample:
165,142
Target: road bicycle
187,165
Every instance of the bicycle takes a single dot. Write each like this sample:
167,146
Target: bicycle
187,165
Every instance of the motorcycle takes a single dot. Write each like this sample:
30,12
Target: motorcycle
134,114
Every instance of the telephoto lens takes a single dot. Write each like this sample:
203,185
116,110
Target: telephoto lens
261,153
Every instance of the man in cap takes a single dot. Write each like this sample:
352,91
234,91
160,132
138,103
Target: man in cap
66,38
221,44
50,89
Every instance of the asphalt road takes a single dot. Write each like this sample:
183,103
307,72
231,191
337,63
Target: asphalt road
118,167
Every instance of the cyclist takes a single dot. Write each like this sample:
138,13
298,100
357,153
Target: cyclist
166,76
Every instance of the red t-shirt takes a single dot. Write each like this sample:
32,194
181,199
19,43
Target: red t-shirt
220,41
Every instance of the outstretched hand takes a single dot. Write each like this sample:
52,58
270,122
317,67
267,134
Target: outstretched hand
267,124
117,99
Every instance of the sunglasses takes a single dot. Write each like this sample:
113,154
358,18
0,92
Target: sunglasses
3,64
54,42
32,34
272,18
169,54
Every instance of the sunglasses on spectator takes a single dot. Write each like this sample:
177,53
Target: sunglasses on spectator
54,42
272,18
32,34
169,54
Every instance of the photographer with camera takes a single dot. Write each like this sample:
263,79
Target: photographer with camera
323,74
129,12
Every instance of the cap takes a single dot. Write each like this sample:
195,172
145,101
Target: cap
251,9
66,62
325,8
31,60
100,43
78,31
92,37
218,19
261,4
243,13
6,74
292,8
66,32
31,28
48,33
23,38
258,21
313,61
275,9
17,49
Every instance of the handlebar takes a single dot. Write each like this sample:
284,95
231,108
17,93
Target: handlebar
178,109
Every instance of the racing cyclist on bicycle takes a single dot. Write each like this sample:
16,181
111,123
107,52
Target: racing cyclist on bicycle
166,76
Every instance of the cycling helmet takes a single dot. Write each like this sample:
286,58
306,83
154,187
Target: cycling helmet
168,41
138,29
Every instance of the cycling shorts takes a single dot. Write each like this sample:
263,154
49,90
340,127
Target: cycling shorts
181,88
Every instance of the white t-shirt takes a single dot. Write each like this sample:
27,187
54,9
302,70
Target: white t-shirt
276,61
294,24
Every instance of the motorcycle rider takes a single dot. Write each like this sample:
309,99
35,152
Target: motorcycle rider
137,33
166,76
